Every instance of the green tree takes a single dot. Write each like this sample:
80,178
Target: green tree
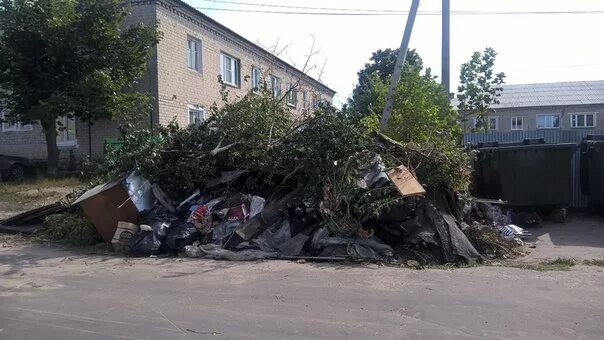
381,65
479,88
71,58
421,109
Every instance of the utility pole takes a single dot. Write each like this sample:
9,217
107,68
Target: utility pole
445,70
400,60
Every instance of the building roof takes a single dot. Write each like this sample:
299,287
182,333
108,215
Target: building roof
551,94
283,63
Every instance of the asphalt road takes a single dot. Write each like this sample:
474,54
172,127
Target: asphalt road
48,293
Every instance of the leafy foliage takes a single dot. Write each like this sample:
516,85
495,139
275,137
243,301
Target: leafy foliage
73,58
364,97
422,120
72,228
479,87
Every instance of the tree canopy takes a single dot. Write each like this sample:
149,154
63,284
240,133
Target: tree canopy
479,87
421,107
71,58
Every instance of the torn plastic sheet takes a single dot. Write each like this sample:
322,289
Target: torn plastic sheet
222,229
371,248
273,237
214,251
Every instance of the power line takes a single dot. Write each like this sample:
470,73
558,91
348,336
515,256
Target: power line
398,13
372,12
305,7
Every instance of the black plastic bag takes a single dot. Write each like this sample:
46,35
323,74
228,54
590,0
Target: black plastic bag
159,219
144,243
181,235
149,242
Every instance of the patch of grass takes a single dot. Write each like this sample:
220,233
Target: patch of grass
559,264
37,192
599,263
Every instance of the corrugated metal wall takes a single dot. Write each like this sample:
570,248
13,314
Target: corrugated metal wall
578,200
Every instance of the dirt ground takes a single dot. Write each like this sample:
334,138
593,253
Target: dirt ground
49,292
57,292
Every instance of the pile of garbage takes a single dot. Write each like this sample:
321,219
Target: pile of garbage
227,219
255,182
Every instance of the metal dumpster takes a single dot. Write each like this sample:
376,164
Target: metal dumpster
592,170
526,174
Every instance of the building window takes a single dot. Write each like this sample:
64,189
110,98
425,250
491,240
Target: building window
276,87
315,102
304,100
229,70
582,120
196,115
256,76
292,95
516,123
194,54
8,126
548,121
66,131
493,123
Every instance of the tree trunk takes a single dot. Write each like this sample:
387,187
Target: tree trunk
50,132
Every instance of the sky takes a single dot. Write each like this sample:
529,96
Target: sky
531,48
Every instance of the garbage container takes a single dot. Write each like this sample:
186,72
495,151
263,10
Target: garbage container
526,174
592,170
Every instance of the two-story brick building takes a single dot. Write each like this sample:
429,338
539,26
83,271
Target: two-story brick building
183,78
564,105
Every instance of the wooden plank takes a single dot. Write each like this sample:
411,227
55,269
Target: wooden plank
405,182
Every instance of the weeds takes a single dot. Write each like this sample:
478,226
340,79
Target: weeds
559,264
598,263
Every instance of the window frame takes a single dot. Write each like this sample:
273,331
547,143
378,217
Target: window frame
235,69
315,99
515,118
547,115
256,79
305,100
574,115
198,59
275,81
196,108
13,127
67,143
475,121
292,96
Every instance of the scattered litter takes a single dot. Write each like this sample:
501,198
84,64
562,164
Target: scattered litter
511,231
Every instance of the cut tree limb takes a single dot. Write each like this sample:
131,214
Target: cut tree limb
218,149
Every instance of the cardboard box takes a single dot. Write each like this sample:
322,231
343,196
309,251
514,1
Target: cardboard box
107,204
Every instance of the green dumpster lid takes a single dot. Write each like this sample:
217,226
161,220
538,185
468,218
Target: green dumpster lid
530,147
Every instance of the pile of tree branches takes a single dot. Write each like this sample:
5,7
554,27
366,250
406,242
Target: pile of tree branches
324,149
